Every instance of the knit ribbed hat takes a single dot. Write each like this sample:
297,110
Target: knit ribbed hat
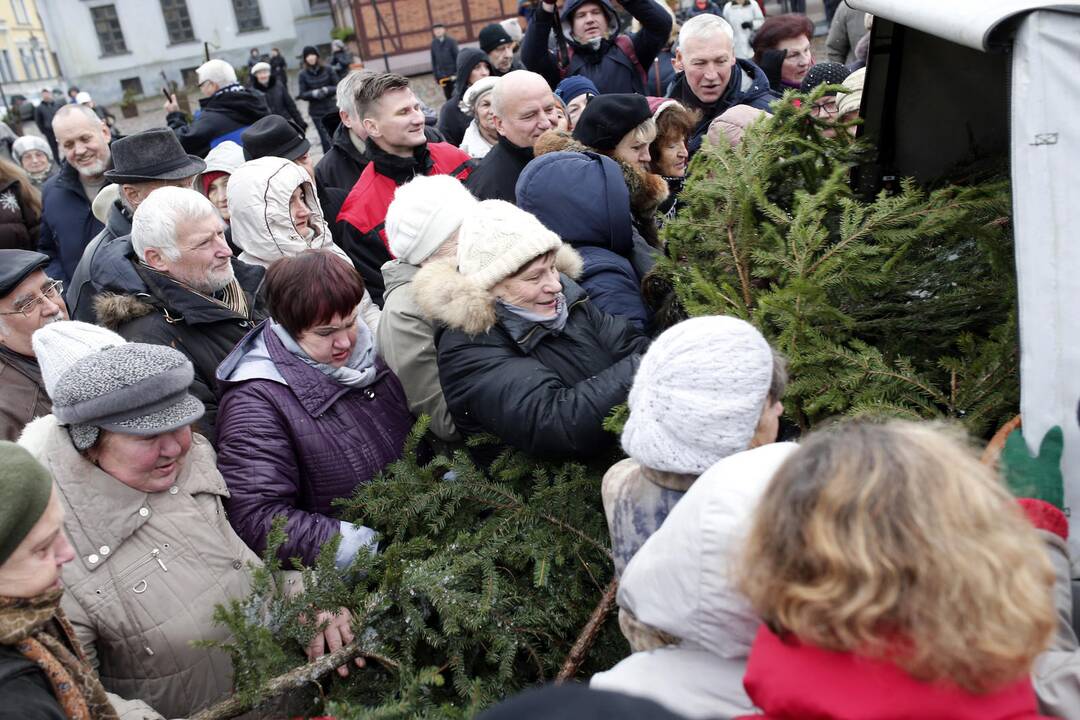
129,388
493,36
60,345
569,88
698,395
825,73
851,101
497,239
425,212
26,487
27,143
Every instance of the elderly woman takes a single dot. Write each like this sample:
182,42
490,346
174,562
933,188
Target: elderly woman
275,213
472,66
143,502
44,672
855,560
213,182
481,135
34,155
782,49
669,153
308,410
620,126
525,354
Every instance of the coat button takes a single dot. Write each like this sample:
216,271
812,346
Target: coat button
104,549
237,564
92,558
173,490
144,512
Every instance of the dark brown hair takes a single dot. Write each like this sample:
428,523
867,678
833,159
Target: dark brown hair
310,288
374,88
779,28
674,122
29,197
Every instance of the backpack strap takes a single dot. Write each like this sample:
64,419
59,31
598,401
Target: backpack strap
624,43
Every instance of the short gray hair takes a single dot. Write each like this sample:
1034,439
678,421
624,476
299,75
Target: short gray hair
703,27
72,109
216,71
347,90
155,220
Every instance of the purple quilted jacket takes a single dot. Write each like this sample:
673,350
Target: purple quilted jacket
294,448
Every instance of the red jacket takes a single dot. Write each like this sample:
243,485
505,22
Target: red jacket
363,213
790,680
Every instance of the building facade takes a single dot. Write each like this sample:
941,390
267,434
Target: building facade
27,63
108,47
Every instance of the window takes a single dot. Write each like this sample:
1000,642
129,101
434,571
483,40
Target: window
248,15
134,84
177,21
109,33
7,73
19,8
30,64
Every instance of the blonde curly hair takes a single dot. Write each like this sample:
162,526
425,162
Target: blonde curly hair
891,540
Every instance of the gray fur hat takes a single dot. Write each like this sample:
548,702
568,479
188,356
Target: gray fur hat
128,388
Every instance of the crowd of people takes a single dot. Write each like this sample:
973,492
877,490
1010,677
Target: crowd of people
201,331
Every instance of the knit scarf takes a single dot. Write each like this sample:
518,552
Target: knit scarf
37,628
400,169
231,296
555,324
357,372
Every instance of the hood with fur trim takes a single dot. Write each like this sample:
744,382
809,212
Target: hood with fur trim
647,190
446,296
114,309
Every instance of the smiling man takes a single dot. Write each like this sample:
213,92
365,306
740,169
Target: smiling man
398,151
195,296
524,109
67,221
710,78
592,43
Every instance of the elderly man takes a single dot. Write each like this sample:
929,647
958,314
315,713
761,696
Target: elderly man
194,296
398,151
142,163
524,109
225,110
499,46
29,300
710,78
594,45
67,220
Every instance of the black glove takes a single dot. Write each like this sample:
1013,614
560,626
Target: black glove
748,25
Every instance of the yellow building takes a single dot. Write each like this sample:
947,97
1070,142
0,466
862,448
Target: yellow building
27,63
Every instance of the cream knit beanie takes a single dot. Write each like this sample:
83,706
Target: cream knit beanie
425,212
698,395
60,345
497,239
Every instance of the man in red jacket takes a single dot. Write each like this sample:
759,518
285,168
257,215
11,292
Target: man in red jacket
398,151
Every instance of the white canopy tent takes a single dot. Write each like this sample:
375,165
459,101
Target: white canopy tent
1043,99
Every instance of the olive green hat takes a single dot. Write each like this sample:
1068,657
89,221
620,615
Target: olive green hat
25,486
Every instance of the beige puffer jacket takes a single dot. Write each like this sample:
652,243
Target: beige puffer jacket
148,571
262,227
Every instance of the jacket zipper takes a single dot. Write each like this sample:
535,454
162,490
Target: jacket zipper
152,556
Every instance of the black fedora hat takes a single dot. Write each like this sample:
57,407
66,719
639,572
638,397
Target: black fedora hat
274,136
151,155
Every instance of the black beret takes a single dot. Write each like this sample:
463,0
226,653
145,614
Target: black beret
16,265
607,119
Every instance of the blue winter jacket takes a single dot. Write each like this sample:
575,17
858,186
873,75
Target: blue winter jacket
67,223
609,67
582,198
748,85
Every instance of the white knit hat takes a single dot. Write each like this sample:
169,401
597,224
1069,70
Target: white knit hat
497,239
260,67
59,345
478,89
852,100
698,395
425,212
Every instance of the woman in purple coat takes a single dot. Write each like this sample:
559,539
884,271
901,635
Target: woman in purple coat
308,411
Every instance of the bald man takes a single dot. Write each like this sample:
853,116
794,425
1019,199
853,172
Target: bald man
524,109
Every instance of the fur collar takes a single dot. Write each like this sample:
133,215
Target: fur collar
446,296
647,190
113,309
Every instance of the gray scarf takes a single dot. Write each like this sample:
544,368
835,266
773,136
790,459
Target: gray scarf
357,372
555,324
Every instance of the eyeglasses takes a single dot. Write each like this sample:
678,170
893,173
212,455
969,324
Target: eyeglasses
51,291
829,107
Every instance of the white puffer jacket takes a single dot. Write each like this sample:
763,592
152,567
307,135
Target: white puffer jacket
262,227
680,582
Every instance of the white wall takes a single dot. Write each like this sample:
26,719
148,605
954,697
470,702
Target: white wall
289,26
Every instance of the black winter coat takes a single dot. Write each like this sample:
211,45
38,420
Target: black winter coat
543,392
497,174
226,112
67,223
312,84
609,67
452,122
278,99
102,265
25,692
444,54
19,230
162,312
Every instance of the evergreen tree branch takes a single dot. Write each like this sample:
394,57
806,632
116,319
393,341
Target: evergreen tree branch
588,633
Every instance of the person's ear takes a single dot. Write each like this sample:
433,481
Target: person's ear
371,127
498,124
155,259
131,194
345,119
677,62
